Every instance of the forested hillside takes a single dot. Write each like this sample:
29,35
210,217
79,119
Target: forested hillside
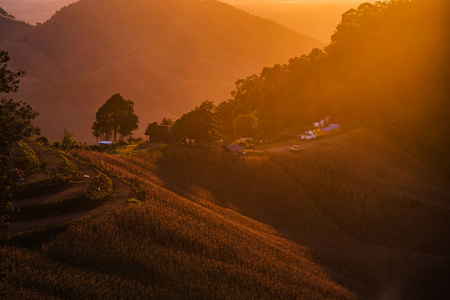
167,56
387,68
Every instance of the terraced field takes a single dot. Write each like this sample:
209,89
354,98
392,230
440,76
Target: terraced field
52,197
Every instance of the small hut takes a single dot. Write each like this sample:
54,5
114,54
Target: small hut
233,149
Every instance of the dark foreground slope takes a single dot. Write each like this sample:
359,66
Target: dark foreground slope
167,56
371,215
168,247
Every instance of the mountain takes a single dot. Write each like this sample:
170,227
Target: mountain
166,56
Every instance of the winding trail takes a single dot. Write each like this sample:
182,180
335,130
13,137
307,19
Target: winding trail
83,181
117,199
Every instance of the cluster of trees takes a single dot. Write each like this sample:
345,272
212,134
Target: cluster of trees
200,125
387,68
115,118
159,131
373,73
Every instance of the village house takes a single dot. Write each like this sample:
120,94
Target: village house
233,149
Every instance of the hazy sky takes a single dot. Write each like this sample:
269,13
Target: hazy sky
33,11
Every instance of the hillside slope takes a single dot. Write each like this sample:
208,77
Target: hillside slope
374,190
168,247
10,29
358,182
371,214
167,56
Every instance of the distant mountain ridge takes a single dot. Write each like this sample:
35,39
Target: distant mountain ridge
166,56
11,29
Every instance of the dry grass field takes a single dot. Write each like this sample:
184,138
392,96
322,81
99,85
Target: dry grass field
370,213
168,247
351,216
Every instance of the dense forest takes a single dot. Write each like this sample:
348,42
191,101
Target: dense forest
386,68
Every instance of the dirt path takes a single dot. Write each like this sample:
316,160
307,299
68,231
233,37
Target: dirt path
118,198
82,183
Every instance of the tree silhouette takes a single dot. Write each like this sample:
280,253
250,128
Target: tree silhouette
15,125
9,81
167,122
114,117
154,130
199,124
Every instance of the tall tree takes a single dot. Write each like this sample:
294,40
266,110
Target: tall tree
15,125
114,117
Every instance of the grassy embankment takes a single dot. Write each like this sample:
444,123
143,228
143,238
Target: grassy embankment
45,171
